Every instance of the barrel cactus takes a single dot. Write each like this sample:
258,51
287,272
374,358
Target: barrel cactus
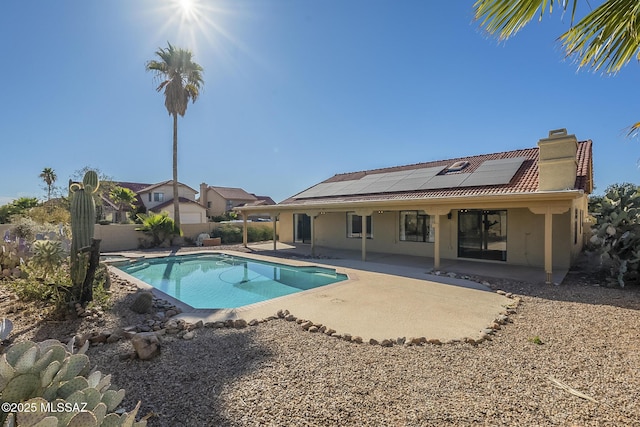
58,388
83,216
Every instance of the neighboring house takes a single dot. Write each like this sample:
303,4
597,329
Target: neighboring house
219,200
522,207
159,197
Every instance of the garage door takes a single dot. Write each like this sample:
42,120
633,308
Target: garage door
190,218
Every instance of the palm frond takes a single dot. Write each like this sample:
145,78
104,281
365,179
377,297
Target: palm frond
606,38
506,17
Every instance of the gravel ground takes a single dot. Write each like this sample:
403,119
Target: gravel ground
582,335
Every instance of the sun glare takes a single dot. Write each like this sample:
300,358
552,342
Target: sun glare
187,8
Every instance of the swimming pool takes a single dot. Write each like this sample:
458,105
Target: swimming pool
224,281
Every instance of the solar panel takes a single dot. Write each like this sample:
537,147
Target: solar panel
490,172
494,172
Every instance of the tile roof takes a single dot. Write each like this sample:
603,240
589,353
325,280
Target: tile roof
170,203
525,179
160,184
136,187
231,193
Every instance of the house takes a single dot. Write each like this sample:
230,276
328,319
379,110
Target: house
522,207
219,200
159,197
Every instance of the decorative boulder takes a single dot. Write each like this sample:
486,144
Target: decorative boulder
146,345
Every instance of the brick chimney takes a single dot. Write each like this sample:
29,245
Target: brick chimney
557,164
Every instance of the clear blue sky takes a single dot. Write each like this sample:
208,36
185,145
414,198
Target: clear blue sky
295,91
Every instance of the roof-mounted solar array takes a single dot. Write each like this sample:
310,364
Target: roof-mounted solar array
490,172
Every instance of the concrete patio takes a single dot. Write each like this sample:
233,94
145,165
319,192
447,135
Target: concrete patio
381,300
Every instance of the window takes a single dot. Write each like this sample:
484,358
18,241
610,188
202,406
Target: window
416,227
354,226
229,205
209,205
482,234
158,197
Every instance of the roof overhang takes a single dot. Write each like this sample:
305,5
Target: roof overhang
512,200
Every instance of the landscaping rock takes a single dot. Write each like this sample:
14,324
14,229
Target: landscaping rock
189,335
240,323
146,345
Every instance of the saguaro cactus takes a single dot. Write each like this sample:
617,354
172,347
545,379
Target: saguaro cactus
84,249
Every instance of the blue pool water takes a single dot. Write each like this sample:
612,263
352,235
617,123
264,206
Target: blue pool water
223,281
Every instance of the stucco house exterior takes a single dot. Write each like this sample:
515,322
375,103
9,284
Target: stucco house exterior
219,200
159,197
522,207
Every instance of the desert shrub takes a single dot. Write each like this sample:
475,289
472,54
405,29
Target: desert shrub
37,373
55,290
27,228
259,234
227,216
616,234
48,214
229,234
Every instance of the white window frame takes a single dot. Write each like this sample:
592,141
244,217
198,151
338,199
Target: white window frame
350,223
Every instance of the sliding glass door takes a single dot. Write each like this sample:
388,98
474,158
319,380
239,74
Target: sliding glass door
482,234
301,228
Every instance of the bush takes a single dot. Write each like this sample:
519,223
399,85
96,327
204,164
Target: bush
159,227
55,290
48,214
231,234
26,228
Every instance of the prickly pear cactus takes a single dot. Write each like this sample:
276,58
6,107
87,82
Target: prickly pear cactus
83,216
616,235
58,388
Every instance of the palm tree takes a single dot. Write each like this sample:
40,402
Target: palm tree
180,79
605,38
124,198
49,177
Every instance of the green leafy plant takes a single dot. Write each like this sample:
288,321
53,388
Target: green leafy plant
17,208
536,340
56,290
124,198
616,234
159,226
47,376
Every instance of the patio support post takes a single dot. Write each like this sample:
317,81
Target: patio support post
364,237
363,233
436,241
245,239
548,244
436,213
313,235
548,211
274,220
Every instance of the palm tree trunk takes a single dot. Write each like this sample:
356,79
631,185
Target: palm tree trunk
176,201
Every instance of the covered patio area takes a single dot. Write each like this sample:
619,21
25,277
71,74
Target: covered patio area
405,265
